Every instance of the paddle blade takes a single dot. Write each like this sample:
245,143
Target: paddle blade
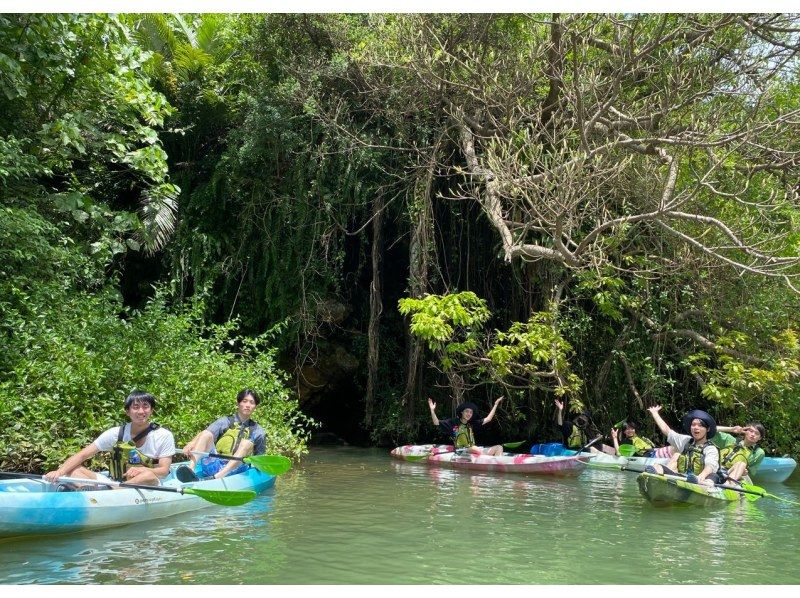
416,458
627,450
270,464
227,498
513,444
759,491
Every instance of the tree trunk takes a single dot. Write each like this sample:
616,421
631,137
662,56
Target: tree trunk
375,310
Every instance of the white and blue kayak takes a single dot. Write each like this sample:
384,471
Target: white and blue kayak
34,507
774,470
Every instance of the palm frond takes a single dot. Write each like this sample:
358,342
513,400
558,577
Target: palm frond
158,214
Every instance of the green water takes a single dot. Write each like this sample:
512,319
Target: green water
355,516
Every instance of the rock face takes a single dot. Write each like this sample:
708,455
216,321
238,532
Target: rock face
313,379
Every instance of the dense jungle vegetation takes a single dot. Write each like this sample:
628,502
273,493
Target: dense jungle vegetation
352,213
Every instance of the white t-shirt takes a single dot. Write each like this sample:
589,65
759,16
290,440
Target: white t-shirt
710,453
158,443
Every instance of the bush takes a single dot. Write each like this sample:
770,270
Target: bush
77,360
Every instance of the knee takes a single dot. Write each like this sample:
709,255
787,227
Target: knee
245,448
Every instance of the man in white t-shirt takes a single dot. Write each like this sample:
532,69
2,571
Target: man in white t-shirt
141,451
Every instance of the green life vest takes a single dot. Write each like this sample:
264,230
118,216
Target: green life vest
642,445
730,455
463,436
229,442
692,457
125,455
577,438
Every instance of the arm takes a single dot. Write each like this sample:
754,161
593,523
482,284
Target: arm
711,459
616,441
560,413
72,462
202,439
662,425
161,470
730,429
490,417
432,406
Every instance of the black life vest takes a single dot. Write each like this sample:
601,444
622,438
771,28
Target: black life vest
126,454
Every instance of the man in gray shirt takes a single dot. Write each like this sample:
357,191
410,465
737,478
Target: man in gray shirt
235,435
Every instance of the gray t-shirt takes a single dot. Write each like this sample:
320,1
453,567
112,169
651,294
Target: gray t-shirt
710,453
256,436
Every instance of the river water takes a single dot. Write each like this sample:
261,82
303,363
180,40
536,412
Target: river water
355,516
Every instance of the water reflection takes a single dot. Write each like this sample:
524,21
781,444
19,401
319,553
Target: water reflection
359,517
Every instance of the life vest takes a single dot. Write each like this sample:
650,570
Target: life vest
124,455
577,438
731,454
232,438
642,445
692,457
463,436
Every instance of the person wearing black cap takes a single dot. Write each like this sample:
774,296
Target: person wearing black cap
693,454
462,428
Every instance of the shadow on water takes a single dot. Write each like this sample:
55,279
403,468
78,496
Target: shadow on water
355,516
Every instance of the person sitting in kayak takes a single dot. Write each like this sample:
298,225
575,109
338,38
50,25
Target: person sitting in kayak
235,435
741,457
141,451
578,432
693,455
642,447
462,428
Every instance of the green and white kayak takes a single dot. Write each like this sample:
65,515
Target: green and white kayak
668,490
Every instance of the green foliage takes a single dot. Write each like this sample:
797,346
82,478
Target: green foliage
440,319
75,369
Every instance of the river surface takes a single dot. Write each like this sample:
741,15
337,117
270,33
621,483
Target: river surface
355,516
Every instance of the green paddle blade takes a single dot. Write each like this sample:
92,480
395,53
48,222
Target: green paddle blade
415,458
270,464
228,498
513,444
759,491
627,450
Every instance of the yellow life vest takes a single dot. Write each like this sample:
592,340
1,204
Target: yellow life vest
125,455
463,436
577,438
730,455
642,445
232,438
692,458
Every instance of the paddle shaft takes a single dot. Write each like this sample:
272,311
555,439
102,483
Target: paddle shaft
90,482
585,446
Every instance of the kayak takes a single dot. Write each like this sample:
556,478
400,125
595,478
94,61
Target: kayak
774,470
667,490
599,460
443,456
606,461
32,507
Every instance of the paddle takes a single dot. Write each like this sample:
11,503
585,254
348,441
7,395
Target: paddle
230,498
627,450
271,464
514,444
13,474
591,442
759,491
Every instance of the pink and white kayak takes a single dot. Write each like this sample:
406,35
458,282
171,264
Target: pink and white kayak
443,456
